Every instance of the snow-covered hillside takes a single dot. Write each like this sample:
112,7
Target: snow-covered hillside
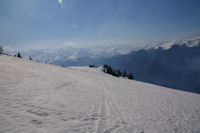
188,41
42,98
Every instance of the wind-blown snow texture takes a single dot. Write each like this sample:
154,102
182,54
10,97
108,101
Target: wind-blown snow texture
36,97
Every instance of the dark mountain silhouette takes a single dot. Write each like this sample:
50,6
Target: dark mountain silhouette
177,67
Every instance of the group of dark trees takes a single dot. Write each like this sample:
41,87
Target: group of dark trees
19,56
92,66
117,73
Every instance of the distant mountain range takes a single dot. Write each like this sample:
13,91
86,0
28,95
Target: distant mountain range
73,56
189,42
174,64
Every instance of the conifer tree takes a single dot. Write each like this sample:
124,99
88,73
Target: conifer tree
119,73
130,76
124,74
19,55
1,49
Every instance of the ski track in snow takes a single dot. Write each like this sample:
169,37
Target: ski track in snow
36,97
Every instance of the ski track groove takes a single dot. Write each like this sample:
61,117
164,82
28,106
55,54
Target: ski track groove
108,107
120,121
104,112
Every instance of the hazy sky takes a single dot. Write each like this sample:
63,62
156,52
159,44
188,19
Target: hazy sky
52,23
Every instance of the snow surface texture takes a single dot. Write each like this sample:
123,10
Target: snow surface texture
42,98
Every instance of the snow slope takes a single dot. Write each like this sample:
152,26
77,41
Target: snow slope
42,98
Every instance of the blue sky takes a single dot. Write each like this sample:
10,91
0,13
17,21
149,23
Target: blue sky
48,23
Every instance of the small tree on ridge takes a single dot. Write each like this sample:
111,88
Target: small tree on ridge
19,55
